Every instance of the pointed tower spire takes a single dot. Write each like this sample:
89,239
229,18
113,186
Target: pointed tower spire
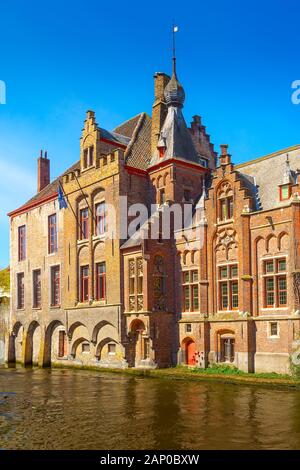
174,140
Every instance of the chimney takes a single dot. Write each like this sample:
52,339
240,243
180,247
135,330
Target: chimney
43,171
159,108
225,157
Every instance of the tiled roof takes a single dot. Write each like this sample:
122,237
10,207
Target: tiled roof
127,128
138,152
267,174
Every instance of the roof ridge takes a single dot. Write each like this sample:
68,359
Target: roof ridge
266,157
128,120
135,133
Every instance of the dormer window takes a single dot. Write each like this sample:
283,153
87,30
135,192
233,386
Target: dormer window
88,157
284,192
161,151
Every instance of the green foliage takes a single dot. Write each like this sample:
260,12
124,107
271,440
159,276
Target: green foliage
5,279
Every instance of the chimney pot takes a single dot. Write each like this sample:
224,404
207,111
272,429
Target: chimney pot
43,172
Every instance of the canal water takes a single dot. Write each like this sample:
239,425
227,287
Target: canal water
74,409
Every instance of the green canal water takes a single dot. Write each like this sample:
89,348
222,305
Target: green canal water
74,409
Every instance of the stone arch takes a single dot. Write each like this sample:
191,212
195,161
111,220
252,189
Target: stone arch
166,177
136,339
101,345
15,343
73,327
33,344
271,244
160,182
77,343
48,347
98,327
188,347
283,241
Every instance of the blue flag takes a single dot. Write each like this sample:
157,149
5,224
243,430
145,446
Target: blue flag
61,198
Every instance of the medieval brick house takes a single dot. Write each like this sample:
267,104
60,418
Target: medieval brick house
150,298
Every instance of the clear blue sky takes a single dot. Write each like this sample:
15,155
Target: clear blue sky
236,60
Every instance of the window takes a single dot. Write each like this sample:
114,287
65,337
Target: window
84,283
187,195
226,208
162,197
22,242
190,291
61,343
188,328
100,219
88,157
37,291
84,224
228,287
52,234
136,301
21,290
100,281
55,286
85,348
273,329
275,283
112,349
284,192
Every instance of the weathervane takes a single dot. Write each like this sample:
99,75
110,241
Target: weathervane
174,30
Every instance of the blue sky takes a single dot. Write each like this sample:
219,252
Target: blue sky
236,60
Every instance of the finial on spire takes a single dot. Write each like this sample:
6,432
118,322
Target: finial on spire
174,30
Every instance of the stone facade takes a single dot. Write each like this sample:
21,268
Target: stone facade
225,291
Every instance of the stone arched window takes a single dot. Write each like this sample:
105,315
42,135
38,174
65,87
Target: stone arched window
225,202
159,283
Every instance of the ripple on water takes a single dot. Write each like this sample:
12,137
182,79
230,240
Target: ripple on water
67,409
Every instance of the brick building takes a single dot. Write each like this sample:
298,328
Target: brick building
92,287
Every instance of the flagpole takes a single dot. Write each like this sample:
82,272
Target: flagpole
69,204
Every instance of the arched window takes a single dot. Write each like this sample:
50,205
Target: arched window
225,202
159,283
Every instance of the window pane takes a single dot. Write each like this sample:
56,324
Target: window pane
282,265
224,296
235,294
223,272
269,265
223,210
274,328
186,277
195,276
186,295
285,192
195,292
234,271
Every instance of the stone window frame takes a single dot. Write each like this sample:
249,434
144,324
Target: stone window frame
276,275
269,329
229,280
189,285
136,283
35,303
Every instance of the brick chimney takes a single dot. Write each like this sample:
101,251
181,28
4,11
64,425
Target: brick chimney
43,171
225,157
159,108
